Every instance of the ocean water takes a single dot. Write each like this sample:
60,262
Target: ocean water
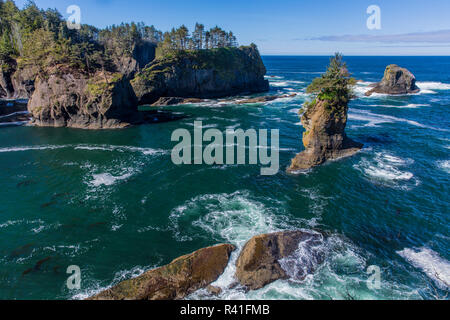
113,203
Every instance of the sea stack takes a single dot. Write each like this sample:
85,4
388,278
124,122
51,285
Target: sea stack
325,119
396,81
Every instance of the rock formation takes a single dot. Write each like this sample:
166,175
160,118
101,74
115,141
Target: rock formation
325,138
396,81
202,74
175,281
65,97
260,260
325,119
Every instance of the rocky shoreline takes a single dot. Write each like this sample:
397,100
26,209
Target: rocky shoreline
259,264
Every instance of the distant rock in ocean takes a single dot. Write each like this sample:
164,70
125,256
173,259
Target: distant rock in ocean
396,81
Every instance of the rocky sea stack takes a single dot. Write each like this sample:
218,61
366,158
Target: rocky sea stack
325,119
396,81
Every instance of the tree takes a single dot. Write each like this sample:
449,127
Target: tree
198,36
336,85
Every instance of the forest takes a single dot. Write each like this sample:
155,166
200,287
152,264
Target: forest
37,38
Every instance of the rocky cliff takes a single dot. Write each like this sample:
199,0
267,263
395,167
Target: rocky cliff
202,74
396,81
66,97
16,83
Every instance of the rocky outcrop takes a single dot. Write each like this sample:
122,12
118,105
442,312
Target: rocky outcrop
67,98
261,259
175,281
16,83
396,81
264,99
202,74
325,138
171,101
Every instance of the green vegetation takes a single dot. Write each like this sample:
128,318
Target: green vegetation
40,39
334,87
180,39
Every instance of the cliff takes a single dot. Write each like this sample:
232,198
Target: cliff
67,97
396,81
202,74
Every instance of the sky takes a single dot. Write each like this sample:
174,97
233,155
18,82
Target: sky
289,27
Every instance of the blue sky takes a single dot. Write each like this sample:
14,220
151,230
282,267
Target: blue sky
295,27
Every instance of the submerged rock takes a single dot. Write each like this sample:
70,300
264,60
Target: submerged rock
170,101
265,99
175,281
202,74
261,259
396,81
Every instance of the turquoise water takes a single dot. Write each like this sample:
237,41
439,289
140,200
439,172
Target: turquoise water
113,203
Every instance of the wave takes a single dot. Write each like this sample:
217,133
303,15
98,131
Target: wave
444,165
429,261
408,106
432,85
107,179
386,168
145,151
374,119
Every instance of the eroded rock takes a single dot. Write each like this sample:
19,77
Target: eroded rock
325,138
396,81
176,280
261,259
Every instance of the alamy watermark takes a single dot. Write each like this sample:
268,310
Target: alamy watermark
74,281
229,147
374,20
74,20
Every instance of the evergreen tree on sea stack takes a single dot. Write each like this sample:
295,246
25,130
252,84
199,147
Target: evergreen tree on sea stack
325,118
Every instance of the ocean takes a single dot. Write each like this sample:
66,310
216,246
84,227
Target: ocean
112,202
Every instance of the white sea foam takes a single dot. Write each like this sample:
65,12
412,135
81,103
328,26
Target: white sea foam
385,167
425,88
408,106
14,114
429,261
374,119
433,85
107,179
444,165
145,151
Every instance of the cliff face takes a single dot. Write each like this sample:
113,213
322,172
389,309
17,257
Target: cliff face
396,80
141,55
202,74
69,98
16,83
325,137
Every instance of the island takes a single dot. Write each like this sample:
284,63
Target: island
96,78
